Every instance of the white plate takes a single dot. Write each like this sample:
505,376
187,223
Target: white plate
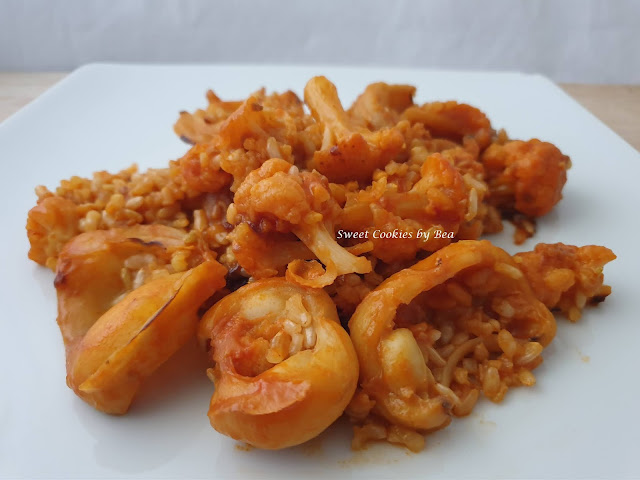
580,420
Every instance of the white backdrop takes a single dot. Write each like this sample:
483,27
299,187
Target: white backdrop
572,40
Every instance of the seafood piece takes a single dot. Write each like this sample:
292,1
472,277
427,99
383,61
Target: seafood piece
413,330
203,125
381,104
284,369
452,120
94,272
127,300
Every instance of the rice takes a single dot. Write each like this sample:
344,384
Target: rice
124,199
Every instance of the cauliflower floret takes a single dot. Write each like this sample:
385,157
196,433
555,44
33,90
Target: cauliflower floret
526,176
278,197
437,201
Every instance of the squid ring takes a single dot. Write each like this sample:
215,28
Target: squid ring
116,336
393,370
285,368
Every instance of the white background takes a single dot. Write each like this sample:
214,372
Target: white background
588,41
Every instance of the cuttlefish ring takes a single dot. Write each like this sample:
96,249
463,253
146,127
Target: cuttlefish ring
284,369
393,369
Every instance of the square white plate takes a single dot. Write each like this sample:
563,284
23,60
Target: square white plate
580,420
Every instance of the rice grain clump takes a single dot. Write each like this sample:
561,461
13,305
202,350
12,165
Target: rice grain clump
438,318
123,199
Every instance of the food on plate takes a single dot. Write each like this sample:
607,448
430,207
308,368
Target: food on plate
278,197
103,202
525,180
228,148
526,176
128,300
285,368
437,199
566,278
348,152
331,261
469,319
452,120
